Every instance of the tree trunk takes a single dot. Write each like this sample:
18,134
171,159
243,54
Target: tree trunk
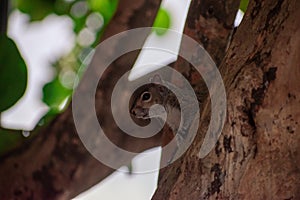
257,155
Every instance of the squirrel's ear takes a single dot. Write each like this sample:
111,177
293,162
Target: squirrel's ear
156,79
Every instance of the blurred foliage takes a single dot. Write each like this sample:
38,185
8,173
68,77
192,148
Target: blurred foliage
55,95
244,5
89,17
105,7
39,9
13,73
162,22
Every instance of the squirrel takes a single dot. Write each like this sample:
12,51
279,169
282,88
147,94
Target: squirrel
180,116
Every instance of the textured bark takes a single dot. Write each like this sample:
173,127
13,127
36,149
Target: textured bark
258,153
55,164
211,24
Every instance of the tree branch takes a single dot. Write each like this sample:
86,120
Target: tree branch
55,164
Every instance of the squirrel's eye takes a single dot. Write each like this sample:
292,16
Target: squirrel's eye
146,96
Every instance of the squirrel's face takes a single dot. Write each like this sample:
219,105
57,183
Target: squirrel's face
145,100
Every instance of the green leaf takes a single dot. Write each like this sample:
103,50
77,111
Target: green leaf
39,9
55,95
13,73
162,22
79,23
36,9
62,7
107,8
244,5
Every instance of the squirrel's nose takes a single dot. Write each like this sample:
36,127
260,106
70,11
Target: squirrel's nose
133,111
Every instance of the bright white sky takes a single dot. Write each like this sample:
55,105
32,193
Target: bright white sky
40,44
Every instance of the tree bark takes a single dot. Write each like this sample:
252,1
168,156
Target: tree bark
257,155
211,24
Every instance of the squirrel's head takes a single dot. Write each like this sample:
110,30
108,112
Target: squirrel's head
148,96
